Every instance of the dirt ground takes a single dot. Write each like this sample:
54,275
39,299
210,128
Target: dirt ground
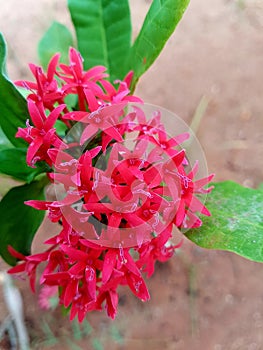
201,299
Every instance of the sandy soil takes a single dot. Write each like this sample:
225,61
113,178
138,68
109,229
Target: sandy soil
201,299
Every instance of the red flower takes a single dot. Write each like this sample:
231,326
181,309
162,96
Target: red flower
45,296
43,136
158,249
84,84
123,186
46,89
122,93
29,265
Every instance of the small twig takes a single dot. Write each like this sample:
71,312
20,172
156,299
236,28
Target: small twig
235,144
13,300
196,121
4,326
192,292
199,114
8,326
12,335
192,297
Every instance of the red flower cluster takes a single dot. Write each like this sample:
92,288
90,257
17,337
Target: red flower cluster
122,187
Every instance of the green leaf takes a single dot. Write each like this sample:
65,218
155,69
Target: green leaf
71,101
103,30
61,128
4,142
160,22
56,39
24,92
13,107
19,222
13,163
236,223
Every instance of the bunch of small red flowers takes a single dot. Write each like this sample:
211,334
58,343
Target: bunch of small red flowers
122,186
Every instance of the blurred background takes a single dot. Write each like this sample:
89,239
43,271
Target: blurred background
210,71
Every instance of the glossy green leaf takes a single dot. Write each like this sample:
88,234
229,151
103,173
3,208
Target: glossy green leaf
57,38
103,30
13,107
236,223
19,222
61,128
13,163
71,101
160,22
4,142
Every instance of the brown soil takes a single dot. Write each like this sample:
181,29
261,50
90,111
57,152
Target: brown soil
201,299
